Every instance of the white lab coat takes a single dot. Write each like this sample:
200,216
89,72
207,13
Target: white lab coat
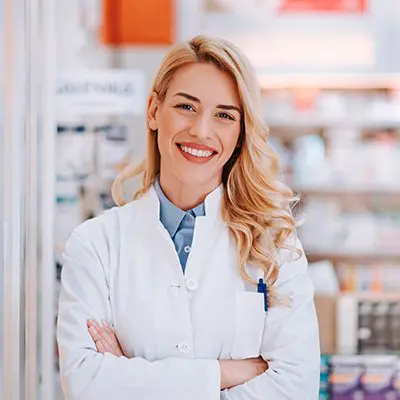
173,328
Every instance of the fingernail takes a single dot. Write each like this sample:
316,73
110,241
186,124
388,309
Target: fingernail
93,330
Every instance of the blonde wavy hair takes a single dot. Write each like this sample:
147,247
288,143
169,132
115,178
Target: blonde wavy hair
256,205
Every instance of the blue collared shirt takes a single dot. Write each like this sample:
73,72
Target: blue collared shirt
178,223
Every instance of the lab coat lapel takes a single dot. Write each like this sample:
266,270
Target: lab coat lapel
207,229
161,242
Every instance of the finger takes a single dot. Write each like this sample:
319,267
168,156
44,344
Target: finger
102,332
112,337
109,339
104,347
104,328
92,322
98,334
100,347
94,334
106,335
94,327
108,330
107,327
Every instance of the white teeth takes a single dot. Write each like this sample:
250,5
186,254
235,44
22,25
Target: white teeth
196,152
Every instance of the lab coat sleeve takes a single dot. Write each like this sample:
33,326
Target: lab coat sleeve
89,375
290,343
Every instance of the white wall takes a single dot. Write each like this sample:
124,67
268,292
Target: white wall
302,43
77,22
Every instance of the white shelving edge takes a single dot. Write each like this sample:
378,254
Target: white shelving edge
329,81
346,324
347,190
299,121
368,256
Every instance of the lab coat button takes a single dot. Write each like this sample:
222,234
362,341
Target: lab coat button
183,348
192,284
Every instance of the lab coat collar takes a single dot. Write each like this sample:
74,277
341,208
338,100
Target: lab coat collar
150,205
171,216
213,203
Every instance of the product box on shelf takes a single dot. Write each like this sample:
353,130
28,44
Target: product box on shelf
345,378
324,378
360,377
377,379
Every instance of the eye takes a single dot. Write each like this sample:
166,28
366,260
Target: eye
225,115
187,107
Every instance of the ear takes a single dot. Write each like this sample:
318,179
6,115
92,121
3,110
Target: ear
152,108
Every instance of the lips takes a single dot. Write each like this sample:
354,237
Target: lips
197,146
196,153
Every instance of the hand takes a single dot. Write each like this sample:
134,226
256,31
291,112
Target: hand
237,372
104,338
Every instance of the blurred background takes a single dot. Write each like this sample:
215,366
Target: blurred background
74,81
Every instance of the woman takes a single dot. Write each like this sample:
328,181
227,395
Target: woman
159,297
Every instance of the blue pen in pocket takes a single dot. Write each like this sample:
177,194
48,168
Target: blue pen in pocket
262,288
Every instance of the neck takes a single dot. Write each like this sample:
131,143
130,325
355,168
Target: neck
186,196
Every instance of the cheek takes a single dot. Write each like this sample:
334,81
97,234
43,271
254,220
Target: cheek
170,124
229,141
165,132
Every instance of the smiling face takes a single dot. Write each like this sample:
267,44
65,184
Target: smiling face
198,126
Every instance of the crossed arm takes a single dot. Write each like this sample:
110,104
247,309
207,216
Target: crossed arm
233,372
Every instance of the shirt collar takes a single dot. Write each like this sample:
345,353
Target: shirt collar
170,215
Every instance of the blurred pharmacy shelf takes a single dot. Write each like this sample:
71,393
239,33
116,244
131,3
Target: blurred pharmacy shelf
353,190
371,296
369,377
299,121
368,257
359,323
329,81
338,139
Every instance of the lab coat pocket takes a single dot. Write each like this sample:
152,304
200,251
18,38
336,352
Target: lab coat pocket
249,325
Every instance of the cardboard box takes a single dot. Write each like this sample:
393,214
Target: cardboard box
327,315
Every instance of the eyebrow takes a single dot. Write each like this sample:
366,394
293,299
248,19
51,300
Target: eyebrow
196,100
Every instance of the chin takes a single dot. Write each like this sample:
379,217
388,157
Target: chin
198,178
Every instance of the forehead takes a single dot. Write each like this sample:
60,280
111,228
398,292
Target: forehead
206,82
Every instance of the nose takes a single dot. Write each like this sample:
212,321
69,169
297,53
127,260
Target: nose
202,128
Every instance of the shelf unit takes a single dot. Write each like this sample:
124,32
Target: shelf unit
288,123
298,121
372,296
329,81
336,190
365,257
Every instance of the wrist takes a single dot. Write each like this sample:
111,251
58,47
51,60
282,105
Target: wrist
224,374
